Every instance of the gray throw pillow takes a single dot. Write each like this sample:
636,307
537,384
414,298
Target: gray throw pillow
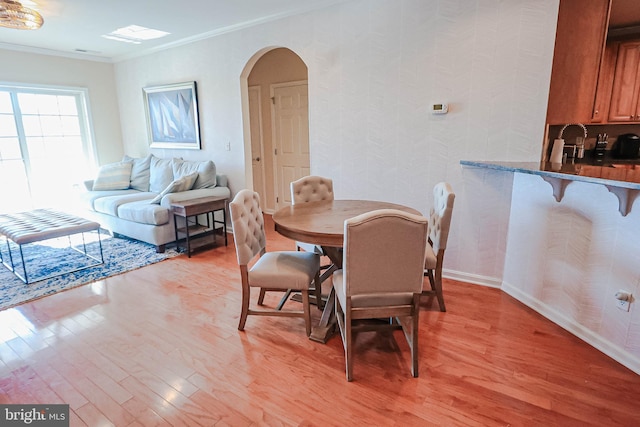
140,172
206,172
161,174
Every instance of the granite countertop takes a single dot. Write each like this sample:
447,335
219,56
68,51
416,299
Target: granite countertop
617,174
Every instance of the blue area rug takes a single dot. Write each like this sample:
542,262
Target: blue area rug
49,257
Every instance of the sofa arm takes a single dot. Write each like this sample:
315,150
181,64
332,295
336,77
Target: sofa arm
221,181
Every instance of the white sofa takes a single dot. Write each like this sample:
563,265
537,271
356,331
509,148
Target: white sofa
133,197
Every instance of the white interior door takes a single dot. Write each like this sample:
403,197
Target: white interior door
290,137
257,151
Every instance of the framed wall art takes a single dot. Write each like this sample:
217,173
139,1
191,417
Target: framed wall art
172,116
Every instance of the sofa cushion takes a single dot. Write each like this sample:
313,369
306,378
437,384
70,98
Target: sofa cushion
177,185
206,172
89,197
161,174
114,176
140,172
109,205
143,212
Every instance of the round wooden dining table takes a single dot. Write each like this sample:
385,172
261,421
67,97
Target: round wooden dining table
322,223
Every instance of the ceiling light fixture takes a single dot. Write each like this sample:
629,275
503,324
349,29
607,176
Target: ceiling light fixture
14,15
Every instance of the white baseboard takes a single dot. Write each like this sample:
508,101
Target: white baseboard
491,282
610,349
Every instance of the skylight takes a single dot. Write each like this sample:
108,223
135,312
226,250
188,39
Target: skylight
135,34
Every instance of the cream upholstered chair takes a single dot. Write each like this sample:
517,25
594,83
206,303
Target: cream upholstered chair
272,271
382,276
313,189
439,225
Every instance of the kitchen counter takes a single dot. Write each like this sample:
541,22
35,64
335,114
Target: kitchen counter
620,178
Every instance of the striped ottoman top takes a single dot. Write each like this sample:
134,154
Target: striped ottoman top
42,224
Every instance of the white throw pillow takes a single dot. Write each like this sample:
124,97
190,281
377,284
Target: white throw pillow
114,176
181,184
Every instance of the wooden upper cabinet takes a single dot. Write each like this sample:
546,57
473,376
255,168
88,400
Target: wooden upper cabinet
580,41
605,82
626,84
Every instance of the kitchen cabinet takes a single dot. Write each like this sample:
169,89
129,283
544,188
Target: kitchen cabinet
625,91
580,41
605,82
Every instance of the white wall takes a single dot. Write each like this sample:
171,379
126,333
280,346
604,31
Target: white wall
97,77
375,66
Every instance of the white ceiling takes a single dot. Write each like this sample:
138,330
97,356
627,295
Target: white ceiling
75,27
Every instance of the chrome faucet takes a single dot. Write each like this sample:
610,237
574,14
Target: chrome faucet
579,147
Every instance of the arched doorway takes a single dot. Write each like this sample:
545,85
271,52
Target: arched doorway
276,124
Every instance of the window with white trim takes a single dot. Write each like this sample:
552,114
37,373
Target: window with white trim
45,146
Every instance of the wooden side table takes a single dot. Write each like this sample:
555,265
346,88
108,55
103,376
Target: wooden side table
195,233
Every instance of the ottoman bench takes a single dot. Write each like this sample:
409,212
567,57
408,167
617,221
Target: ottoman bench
39,225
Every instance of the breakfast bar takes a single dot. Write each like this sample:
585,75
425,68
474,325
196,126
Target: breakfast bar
621,179
570,245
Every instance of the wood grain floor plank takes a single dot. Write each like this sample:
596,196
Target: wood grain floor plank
161,344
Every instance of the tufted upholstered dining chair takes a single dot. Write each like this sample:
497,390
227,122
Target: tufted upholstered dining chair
382,276
313,189
439,225
271,271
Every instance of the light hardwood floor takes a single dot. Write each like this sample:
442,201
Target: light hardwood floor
160,346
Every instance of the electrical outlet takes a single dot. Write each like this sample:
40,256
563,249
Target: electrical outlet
623,305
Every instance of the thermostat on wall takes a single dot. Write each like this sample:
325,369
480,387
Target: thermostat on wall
439,108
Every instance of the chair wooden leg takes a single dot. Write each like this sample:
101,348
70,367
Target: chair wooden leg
261,296
414,336
318,291
348,344
283,300
306,307
245,306
436,285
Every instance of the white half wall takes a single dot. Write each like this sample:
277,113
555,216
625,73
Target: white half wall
568,259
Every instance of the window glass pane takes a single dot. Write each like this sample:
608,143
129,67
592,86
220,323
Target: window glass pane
7,125
5,103
36,148
67,105
13,196
51,125
70,125
53,140
31,125
10,149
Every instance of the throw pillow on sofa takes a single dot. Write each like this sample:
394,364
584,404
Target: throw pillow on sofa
184,183
114,176
206,171
140,172
161,174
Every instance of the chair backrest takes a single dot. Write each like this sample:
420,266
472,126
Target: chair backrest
384,252
311,189
440,216
248,225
